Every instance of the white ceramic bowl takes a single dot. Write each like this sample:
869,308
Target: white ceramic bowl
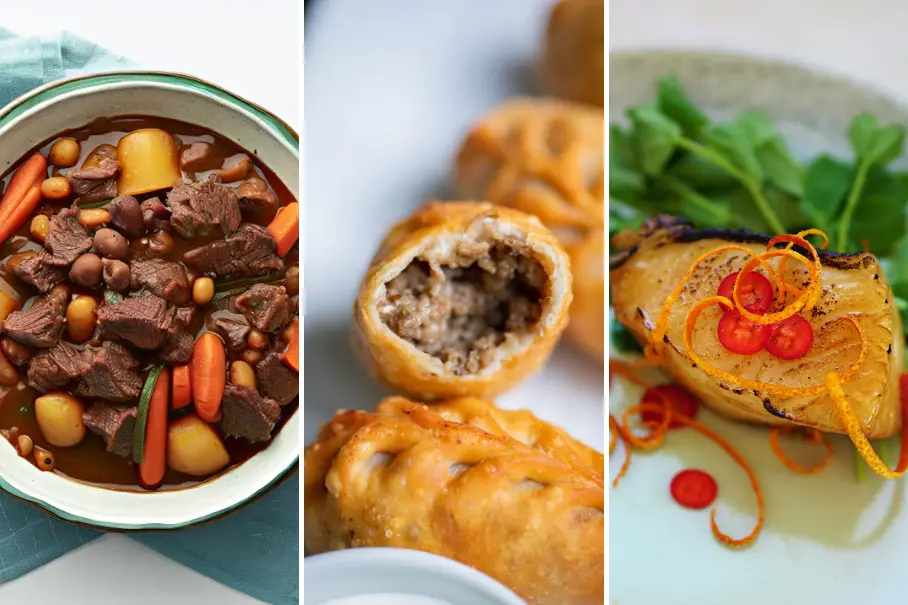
368,571
40,115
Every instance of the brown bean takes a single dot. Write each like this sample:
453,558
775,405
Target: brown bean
87,271
93,217
251,356
126,215
292,281
43,459
9,377
56,188
12,265
16,353
160,243
111,244
25,445
116,274
64,153
99,153
199,157
256,339
235,170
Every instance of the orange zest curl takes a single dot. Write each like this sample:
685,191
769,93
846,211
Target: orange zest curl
616,432
811,435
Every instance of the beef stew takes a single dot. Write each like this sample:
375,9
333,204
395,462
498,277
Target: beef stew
133,237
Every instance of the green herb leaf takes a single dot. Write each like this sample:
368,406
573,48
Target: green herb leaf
826,183
701,174
731,142
873,144
622,339
881,222
780,168
673,102
654,136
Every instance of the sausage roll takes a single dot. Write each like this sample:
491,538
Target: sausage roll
541,156
587,326
462,299
406,477
573,54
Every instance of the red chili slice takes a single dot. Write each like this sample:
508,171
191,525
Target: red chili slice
756,292
791,338
695,489
677,396
740,335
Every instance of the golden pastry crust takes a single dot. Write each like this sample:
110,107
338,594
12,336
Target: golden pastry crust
541,156
573,56
444,235
406,477
587,325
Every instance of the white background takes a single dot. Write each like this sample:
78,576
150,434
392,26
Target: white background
253,50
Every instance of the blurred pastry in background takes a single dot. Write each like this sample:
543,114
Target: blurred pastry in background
573,54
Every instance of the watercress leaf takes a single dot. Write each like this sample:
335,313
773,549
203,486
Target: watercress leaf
622,339
880,221
861,132
621,147
780,167
787,208
700,174
655,136
730,141
623,182
756,127
826,183
886,145
623,215
701,210
674,103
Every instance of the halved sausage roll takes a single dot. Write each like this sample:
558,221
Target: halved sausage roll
462,298
407,477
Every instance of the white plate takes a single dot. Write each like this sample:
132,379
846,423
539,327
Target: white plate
387,103
828,539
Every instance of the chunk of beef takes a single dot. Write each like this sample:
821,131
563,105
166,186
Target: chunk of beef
126,215
155,215
144,321
246,414
196,206
268,308
232,331
177,348
66,240
111,373
276,380
55,368
40,272
250,251
115,423
162,278
95,183
258,204
41,325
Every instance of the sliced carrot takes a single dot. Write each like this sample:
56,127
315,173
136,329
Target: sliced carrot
285,228
209,375
154,460
292,355
182,387
31,173
17,216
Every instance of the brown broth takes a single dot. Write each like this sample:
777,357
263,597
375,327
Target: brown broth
88,461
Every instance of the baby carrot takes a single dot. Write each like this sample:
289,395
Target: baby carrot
154,460
32,172
292,355
285,228
17,216
182,387
209,375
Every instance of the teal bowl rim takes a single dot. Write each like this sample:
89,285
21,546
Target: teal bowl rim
276,126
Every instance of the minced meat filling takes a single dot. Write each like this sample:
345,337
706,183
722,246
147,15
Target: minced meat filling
460,310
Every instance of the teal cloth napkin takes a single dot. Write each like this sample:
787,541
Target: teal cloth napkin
255,550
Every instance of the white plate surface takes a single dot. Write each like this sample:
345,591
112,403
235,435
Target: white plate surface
387,102
828,539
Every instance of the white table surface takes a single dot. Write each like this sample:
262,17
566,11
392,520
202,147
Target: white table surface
262,67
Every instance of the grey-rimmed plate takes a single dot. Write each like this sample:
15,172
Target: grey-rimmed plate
828,539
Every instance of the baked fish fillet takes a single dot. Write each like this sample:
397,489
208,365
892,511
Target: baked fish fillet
643,276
